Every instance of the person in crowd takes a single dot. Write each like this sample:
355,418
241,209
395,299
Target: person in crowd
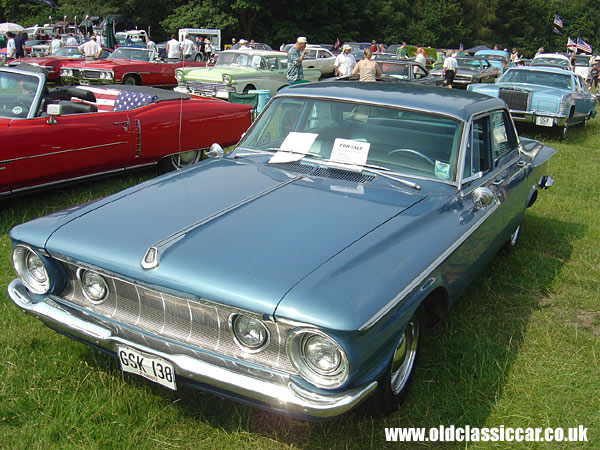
173,49
514,56
296,55
420,58
572,61
244,44
539,52
10,45
381,48
187,48
367,69
20,39
496,47
504,65
373,47
449,69
90,49
344,62
71,40
55,44
401,52
594,73
208,49
150,44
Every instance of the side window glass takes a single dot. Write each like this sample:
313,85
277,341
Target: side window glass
311,54
477,158
503,138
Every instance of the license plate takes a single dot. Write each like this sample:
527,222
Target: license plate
84,82
544,121
148,366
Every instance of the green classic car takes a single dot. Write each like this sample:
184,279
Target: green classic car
239,71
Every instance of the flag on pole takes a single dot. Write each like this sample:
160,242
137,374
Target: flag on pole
337,43
558,21
571,44
584,46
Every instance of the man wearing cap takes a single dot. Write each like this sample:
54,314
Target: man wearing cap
244,44
344,62
295,57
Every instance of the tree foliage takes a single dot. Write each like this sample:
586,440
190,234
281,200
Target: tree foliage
524,24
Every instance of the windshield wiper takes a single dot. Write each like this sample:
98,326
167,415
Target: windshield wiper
379,170
295,152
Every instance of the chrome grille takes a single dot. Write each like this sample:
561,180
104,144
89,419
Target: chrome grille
515,99
90,74
208,88
195,323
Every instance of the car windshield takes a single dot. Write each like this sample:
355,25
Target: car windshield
557,61
540,77
17,94
406,142
135,54
68,51
241,59
400,70
468,63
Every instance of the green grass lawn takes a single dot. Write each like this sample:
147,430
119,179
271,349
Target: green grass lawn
521,348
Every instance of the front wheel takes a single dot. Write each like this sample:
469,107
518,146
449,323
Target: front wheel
394,383
179,160
131,80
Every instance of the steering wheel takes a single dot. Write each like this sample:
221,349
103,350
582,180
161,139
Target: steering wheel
413,152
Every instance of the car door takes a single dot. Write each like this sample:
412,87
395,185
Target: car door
6,163
75,145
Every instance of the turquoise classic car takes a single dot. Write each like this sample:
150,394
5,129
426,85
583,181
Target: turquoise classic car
239,71
545,96
299,272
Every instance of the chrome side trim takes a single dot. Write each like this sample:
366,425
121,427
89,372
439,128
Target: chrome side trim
272,389
151,258
66,151
427,272
138,128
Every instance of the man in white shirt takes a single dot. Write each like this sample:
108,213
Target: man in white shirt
344,62
173,49
244,44
71,40
187,48
450,68
90,49
11,48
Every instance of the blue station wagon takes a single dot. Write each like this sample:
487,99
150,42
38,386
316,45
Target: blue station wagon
299,272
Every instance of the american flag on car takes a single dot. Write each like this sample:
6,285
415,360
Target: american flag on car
116,100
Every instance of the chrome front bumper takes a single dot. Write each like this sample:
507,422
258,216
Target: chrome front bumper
530,116
213,373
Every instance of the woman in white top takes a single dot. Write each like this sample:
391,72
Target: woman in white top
367,68
56,44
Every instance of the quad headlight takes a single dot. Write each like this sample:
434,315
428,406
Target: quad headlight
106,75
178,75
93,285
318,358
249,333
66,72
30,268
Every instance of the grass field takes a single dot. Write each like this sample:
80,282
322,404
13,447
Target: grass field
521,349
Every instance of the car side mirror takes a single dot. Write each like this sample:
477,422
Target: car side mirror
482,198
53,110
272,67
216,151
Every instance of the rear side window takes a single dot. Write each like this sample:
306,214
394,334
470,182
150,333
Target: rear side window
503,137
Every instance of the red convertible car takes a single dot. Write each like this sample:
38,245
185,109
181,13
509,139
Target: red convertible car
68,133
53,63
127,65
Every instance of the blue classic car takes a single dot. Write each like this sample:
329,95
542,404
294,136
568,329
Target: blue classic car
544,96
299,272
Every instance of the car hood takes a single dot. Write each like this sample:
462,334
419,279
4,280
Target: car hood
241,234
215,73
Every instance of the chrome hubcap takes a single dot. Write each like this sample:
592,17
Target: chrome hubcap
404,356
185,158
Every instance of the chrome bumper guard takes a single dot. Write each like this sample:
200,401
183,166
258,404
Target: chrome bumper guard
529,117
285,396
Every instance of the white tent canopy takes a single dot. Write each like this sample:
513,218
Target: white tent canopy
7,26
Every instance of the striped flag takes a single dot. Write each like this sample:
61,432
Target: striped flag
571,43
558,21
116,100
584,46
105,98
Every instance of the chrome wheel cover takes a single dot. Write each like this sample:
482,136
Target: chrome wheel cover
184,158
404,356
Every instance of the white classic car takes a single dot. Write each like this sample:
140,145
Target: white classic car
319,58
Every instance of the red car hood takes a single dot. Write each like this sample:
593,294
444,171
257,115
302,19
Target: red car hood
48,59
103,63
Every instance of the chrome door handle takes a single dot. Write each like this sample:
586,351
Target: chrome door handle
498,182
125,124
